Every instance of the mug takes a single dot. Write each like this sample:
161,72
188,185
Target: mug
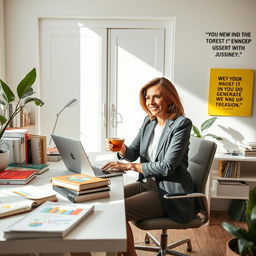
117,143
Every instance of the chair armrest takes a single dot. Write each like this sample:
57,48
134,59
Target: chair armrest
205,212
181,195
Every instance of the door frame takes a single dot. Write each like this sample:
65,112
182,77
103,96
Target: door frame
133,23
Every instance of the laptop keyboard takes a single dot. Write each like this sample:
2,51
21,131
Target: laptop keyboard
98,171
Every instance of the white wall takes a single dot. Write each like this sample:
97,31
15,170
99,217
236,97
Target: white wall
193,57
2,41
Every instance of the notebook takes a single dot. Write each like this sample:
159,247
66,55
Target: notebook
76,159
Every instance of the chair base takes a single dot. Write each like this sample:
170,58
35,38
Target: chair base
161,247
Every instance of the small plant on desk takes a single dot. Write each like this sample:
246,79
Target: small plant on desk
7,96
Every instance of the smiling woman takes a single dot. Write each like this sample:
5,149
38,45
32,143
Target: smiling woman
165,89
162,146
156,103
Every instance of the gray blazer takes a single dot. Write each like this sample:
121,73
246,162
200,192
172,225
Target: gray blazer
170,165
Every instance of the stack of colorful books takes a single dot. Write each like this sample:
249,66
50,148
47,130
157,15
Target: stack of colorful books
21,173
53,155
24,147
14,177
39,168
81,187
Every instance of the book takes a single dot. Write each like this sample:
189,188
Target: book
13,204
250,153
19,136
221,167
38,148
8,145
87,191
229,169
19,150
53,150
79,181
15,147
49,220
15,132
23,199
53,157
36,194
249,149
39,168
16,177
10,112
90,194
29,152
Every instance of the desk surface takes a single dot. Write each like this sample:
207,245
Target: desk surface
103,230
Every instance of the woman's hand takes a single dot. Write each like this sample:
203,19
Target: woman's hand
109,147
118,166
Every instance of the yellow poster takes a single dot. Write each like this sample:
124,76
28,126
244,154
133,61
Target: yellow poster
230,92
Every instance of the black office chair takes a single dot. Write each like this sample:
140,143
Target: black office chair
201,154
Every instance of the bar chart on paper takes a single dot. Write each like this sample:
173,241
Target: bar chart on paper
61,210
49,220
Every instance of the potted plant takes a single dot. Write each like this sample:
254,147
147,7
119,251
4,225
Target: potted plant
196,132
7,96
244,242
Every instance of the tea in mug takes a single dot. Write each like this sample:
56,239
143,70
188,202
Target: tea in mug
117,143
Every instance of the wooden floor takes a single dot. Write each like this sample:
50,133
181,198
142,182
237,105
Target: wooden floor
208,240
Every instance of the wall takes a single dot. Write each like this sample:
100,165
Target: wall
193,56
2,41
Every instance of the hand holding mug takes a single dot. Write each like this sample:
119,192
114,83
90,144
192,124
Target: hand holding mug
108,145
114,144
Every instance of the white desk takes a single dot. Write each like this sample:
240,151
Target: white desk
103,231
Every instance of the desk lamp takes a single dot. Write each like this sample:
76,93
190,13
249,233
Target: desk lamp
69,104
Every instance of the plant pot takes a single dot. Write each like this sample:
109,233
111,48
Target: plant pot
232,247
4,159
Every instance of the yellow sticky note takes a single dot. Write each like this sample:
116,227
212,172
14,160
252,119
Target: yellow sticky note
230,92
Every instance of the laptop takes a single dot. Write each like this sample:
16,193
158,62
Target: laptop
76,159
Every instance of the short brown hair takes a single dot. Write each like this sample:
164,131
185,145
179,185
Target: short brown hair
169,92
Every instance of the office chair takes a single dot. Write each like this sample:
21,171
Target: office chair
201,154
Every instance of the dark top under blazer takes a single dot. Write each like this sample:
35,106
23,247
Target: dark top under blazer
170,165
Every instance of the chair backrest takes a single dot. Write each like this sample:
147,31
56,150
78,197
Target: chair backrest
200,157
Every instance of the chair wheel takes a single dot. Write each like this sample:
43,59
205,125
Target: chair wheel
189,249
147,241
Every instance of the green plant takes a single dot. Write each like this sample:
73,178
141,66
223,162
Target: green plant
246,237
24,92
205,125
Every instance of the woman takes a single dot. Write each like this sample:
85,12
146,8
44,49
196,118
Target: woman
162,145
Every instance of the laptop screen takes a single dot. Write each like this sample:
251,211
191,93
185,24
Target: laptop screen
73,154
